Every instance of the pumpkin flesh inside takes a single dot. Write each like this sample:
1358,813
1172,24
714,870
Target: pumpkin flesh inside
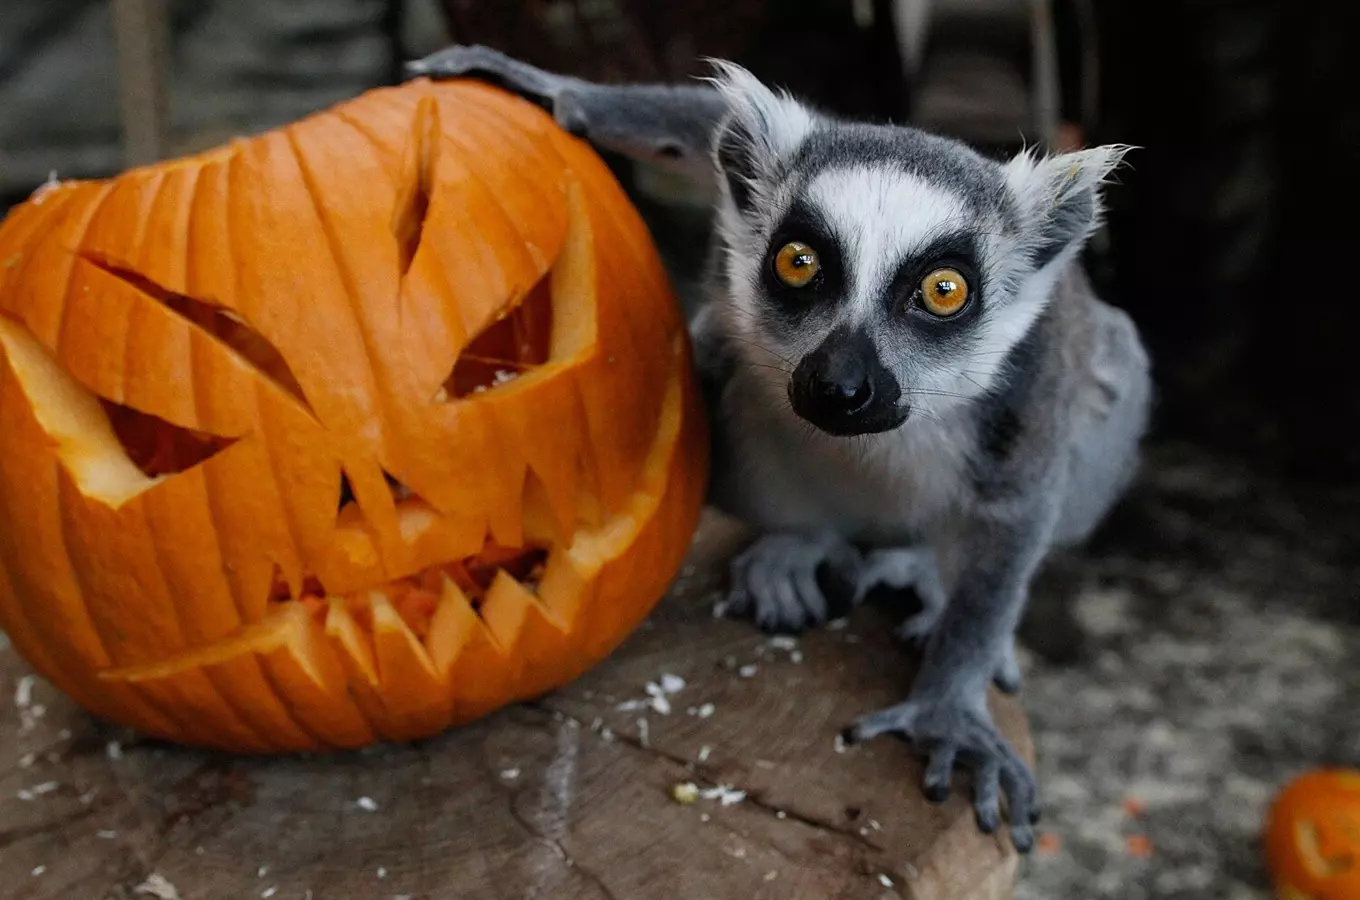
416,597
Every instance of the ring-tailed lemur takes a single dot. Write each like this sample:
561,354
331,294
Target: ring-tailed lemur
901,352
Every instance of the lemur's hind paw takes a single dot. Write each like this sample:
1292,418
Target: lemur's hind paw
906,569
947,732
775,580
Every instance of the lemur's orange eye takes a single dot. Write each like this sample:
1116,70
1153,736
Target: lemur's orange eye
944,291
796,264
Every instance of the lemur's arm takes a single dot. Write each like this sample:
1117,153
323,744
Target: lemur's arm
668,125
946,712
1004,544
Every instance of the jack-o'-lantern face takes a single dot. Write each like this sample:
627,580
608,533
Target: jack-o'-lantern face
351,431
1312,837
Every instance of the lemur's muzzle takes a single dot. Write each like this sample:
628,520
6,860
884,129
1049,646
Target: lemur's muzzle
843,388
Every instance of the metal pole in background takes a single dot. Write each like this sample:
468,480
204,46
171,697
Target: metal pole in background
142,36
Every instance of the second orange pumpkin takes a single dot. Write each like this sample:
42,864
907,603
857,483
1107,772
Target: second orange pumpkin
1312,839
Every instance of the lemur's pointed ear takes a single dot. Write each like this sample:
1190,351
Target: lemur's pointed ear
761,130
1060,196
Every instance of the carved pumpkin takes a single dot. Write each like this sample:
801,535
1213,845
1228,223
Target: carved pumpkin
1312,839
352,431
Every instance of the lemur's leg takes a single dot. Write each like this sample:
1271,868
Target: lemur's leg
1111,415
669,125
774,581
946,716
914,569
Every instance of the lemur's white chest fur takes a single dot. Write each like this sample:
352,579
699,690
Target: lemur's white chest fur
883,489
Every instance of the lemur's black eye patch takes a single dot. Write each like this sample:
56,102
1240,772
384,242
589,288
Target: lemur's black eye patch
804,262
954,259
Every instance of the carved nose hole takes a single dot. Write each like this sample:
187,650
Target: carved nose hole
399,491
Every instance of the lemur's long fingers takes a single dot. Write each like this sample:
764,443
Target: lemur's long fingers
785,611
867,727
987,796
494,67
811,598
1020,798
939,770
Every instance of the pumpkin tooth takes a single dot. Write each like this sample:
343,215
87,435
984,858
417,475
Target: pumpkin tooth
414,694
468,654
564,590
454,626
312,683
355,648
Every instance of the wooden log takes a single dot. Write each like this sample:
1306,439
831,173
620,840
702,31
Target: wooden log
568,798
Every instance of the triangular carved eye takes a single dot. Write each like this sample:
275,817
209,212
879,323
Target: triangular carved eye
217,321
508,348
112,452
158,447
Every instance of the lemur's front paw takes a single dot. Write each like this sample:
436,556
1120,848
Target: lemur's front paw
547,89
946,732
775,580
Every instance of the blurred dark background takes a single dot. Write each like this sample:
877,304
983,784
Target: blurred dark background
1217,240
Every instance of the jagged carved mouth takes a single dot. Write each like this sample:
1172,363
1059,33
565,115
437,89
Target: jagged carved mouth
415,597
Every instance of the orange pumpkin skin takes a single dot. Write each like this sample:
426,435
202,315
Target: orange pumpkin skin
1312,838
352,431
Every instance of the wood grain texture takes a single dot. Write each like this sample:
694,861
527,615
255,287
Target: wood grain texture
566,798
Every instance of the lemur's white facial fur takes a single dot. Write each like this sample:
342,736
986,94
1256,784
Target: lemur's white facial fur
855,349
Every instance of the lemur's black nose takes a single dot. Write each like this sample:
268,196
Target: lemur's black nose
842,389
832,384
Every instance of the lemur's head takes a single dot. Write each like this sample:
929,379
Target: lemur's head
876,270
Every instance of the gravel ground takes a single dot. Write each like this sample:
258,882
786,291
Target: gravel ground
1209,653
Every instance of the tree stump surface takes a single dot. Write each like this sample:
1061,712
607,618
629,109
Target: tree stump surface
567,798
